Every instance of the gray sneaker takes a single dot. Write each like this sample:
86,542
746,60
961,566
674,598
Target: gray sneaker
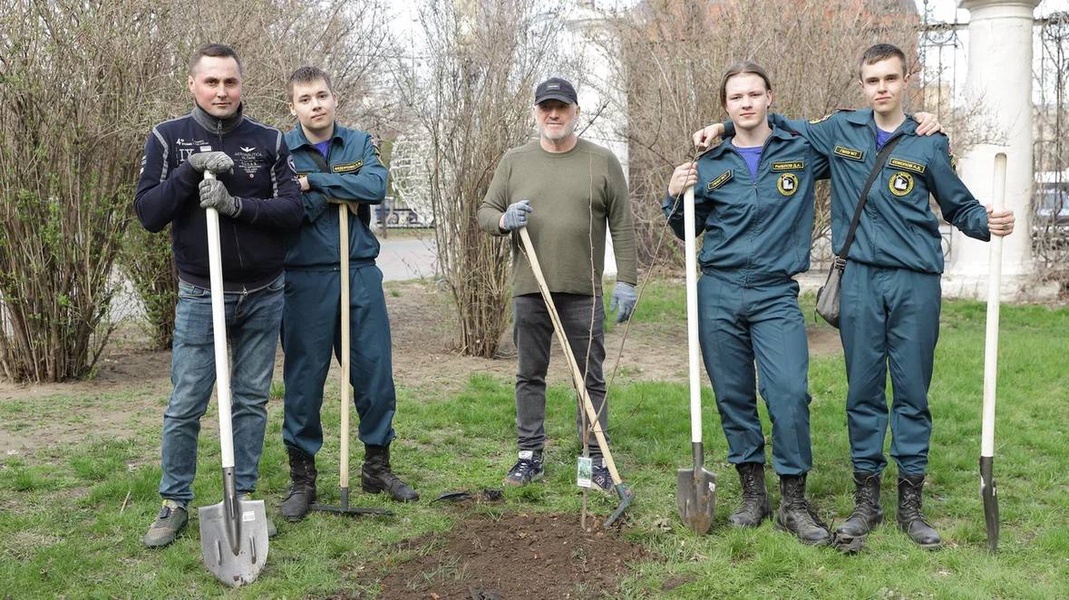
527,469
272,531
171,519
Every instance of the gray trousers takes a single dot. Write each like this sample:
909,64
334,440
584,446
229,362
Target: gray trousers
582,318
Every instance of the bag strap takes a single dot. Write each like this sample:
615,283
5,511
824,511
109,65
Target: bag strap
840,260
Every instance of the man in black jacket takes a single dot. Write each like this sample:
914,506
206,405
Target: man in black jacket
258,198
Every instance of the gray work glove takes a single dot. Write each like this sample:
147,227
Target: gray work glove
623,299
213,194
515,216
216,162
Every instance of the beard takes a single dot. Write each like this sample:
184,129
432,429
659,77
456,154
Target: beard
566,131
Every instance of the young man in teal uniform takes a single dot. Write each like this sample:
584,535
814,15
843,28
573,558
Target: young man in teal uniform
335,165
891,286
753,200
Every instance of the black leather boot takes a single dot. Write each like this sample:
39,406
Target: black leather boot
755,505
867,512
376,475
910,518
796,515
302,492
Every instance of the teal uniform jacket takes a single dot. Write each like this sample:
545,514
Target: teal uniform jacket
759,228
898,229
311,318
757,234
351,172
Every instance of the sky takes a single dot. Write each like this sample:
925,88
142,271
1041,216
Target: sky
945,10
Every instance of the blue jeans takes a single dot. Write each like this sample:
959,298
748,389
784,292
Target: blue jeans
252,322
582,318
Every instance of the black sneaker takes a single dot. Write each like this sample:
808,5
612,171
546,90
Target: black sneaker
602,479
527,469
171,519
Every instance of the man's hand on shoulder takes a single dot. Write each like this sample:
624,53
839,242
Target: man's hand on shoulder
704,138
927,124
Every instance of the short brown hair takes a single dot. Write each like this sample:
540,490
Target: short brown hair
740,68
307,74
214,51
880,52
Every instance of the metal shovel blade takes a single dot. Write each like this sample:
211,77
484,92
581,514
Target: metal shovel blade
696,498
989,493
234,568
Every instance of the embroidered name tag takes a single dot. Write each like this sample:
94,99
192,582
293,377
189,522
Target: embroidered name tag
348,167
898,163
790,165
719,181
849,153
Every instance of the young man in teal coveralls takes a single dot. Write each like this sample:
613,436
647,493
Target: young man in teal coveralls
335,165
891,286
753,200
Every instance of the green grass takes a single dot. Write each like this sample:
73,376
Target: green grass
71,518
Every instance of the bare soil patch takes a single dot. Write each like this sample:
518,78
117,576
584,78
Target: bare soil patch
515,555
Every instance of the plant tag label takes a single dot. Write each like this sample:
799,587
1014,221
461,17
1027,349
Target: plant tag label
584,471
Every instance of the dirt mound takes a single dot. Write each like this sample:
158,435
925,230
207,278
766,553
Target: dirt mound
514,555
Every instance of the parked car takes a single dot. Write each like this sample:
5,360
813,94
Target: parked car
1050,207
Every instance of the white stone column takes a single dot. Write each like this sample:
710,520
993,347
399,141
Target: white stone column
999,78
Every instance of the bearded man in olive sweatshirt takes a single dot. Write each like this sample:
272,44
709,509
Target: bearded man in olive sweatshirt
567,192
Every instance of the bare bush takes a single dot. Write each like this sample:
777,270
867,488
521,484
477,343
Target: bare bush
471,92
673,55
68,160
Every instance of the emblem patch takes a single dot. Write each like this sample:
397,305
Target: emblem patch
850,153
348,167
720,180
787,184
901,183
790,165
898,163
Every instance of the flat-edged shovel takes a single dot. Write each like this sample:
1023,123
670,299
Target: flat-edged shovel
988,491
695,486
344,508
622,490
233,533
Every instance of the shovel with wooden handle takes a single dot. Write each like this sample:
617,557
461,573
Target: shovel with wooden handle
988,491
622,490
233,533
343,253
695,486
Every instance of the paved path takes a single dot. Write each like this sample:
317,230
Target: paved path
407,258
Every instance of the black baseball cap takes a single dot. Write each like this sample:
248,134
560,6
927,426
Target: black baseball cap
555,88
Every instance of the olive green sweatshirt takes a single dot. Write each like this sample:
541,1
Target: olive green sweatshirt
575,196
